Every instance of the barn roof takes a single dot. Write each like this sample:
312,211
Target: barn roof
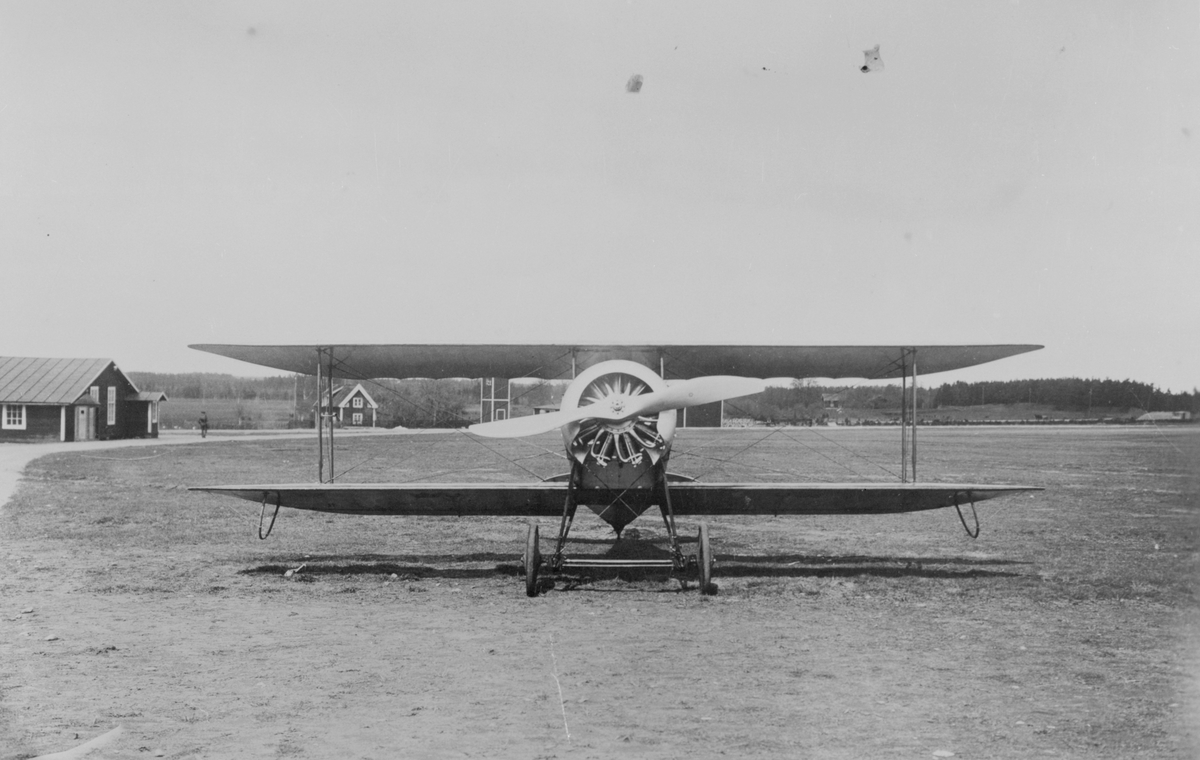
33,380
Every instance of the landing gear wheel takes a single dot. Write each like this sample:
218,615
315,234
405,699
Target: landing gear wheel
704,559
532,560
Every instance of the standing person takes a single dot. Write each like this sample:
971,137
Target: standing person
203,424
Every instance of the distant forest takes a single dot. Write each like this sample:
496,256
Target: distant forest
409,403
805,401
1069,394
447,403
204,385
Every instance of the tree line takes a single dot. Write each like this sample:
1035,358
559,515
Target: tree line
204,385
445,403
1075,394
805,401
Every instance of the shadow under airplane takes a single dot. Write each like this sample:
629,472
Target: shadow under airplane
792,565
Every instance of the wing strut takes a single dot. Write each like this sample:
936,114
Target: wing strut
908,415
320,424
329,382
324,409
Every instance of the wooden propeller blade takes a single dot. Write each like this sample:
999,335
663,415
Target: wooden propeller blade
699,390
516,427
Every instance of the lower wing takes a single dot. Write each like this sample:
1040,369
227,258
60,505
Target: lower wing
546,499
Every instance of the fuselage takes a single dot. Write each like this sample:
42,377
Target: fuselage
619,462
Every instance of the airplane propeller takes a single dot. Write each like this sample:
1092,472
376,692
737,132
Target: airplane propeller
693,392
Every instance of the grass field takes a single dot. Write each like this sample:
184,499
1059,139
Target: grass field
1068,629
225,414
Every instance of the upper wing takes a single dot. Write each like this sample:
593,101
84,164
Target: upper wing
362,362
546,499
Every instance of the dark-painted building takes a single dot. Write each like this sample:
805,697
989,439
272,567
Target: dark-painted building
72,400
355,407
703,415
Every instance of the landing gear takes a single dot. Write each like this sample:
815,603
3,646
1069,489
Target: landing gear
568,517
682,566
532,560
704,560
701,563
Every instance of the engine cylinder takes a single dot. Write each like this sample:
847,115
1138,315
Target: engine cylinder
633,441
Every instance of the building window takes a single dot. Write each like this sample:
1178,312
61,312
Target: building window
14,417
356,418
95,391
112,404
357,402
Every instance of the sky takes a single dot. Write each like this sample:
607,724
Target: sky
304,172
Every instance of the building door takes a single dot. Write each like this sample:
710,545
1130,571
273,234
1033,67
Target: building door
85,423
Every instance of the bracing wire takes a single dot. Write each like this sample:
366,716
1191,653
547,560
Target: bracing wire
868,460
730,459
755,467
377,455
351,371
495,452
894,364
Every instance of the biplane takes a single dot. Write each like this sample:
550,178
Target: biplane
618,418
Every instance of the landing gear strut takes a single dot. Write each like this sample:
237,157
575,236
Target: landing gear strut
704,559
683,566
531,561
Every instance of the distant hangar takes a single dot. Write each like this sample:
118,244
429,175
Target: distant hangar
72,400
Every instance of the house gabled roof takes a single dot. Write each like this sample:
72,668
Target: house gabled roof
33,380
147,396
343,394
323,396
345,400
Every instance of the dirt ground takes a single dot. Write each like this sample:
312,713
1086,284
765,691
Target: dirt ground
1069,628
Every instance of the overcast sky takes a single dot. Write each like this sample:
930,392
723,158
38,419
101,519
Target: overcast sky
175,173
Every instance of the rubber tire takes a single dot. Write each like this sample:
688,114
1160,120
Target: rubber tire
532,560
704,560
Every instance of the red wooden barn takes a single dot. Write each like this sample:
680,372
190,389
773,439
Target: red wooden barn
72,400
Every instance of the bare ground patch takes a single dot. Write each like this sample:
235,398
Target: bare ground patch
1066,630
